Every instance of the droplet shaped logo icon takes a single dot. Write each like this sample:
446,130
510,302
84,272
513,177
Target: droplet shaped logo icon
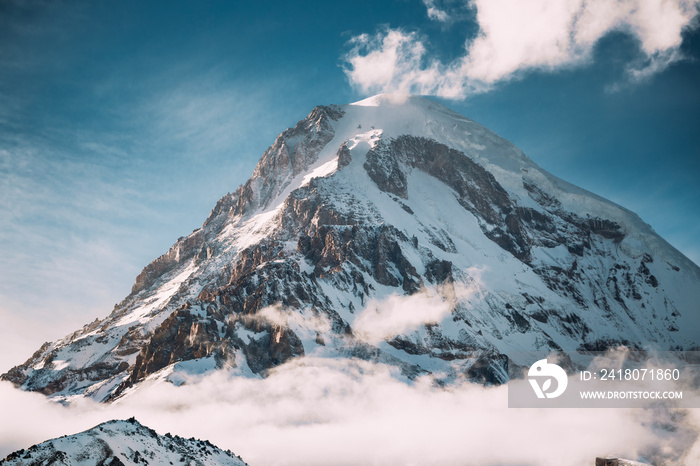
546,372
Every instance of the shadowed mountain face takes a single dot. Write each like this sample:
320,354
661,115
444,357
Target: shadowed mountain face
392,230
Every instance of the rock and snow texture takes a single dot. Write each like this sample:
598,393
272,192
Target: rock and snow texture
115,443
391,230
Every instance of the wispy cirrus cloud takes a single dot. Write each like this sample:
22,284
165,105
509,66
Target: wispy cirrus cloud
515,37
99,178
84,208
435,12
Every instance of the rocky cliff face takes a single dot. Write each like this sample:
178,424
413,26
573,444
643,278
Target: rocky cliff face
363,204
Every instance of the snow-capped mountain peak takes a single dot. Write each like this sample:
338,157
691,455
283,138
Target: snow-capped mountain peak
350,218
120,442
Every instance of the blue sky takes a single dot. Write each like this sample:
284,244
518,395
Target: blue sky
122,123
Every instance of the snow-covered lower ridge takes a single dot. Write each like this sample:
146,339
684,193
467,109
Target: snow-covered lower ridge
123,442
391,230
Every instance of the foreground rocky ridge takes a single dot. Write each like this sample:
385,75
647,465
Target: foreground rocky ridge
357,205
116,442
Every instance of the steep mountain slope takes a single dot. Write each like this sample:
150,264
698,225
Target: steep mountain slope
392,230
123,442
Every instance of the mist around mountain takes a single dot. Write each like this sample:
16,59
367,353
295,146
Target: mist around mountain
395,242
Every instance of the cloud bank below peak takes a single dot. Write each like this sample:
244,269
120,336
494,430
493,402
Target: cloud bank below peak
515,37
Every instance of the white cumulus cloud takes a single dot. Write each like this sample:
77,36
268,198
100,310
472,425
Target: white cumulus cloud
517,36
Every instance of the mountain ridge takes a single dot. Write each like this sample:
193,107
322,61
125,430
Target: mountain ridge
389,196
120,442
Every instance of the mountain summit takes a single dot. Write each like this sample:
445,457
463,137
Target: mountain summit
120,443
393,230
